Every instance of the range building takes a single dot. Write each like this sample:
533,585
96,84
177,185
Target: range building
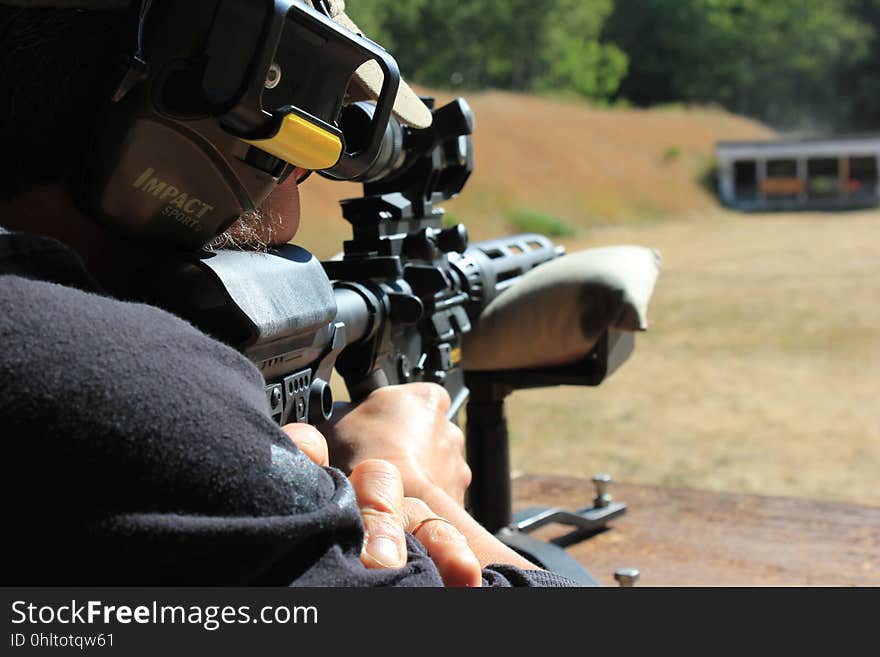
795,174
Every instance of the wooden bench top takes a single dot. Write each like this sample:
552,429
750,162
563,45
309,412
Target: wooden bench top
679,537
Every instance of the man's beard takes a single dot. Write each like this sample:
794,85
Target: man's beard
252,231
258,229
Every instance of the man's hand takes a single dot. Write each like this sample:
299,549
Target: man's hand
387,514
407,426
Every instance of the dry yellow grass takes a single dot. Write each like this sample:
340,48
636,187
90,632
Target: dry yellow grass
761,371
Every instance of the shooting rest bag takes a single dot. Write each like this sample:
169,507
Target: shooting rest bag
556,313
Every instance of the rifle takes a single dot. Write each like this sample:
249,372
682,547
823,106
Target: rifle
397,308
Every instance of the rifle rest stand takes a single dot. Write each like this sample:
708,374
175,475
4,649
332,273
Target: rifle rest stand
488,455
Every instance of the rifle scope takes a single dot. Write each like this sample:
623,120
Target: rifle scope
447,141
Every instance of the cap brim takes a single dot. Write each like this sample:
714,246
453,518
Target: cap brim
408,107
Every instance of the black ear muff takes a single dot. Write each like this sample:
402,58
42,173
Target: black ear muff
153,178
160,166
200,132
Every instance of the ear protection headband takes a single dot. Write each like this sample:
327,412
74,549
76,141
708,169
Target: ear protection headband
222,99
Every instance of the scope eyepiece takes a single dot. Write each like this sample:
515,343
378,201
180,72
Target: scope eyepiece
355,121
427,164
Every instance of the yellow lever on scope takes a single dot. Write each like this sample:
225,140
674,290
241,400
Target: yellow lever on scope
303,144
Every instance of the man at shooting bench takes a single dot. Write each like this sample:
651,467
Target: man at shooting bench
140,451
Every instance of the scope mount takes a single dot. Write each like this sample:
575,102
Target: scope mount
397,214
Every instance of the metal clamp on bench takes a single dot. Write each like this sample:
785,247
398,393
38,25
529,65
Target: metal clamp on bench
589,519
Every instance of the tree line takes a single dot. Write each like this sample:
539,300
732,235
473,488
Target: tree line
802,64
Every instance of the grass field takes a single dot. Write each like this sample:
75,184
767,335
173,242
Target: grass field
760,372
762,367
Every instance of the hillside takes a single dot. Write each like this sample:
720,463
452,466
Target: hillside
583,166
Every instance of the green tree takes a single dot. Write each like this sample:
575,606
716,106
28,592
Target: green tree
793,63
777,60
573,57
510,44
858,82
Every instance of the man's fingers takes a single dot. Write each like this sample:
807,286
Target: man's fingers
447,547
310,441
379,490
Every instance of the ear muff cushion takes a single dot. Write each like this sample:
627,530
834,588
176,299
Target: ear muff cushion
556,313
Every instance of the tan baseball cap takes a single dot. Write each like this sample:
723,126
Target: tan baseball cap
367,79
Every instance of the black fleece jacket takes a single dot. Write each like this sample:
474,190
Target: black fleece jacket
139,451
